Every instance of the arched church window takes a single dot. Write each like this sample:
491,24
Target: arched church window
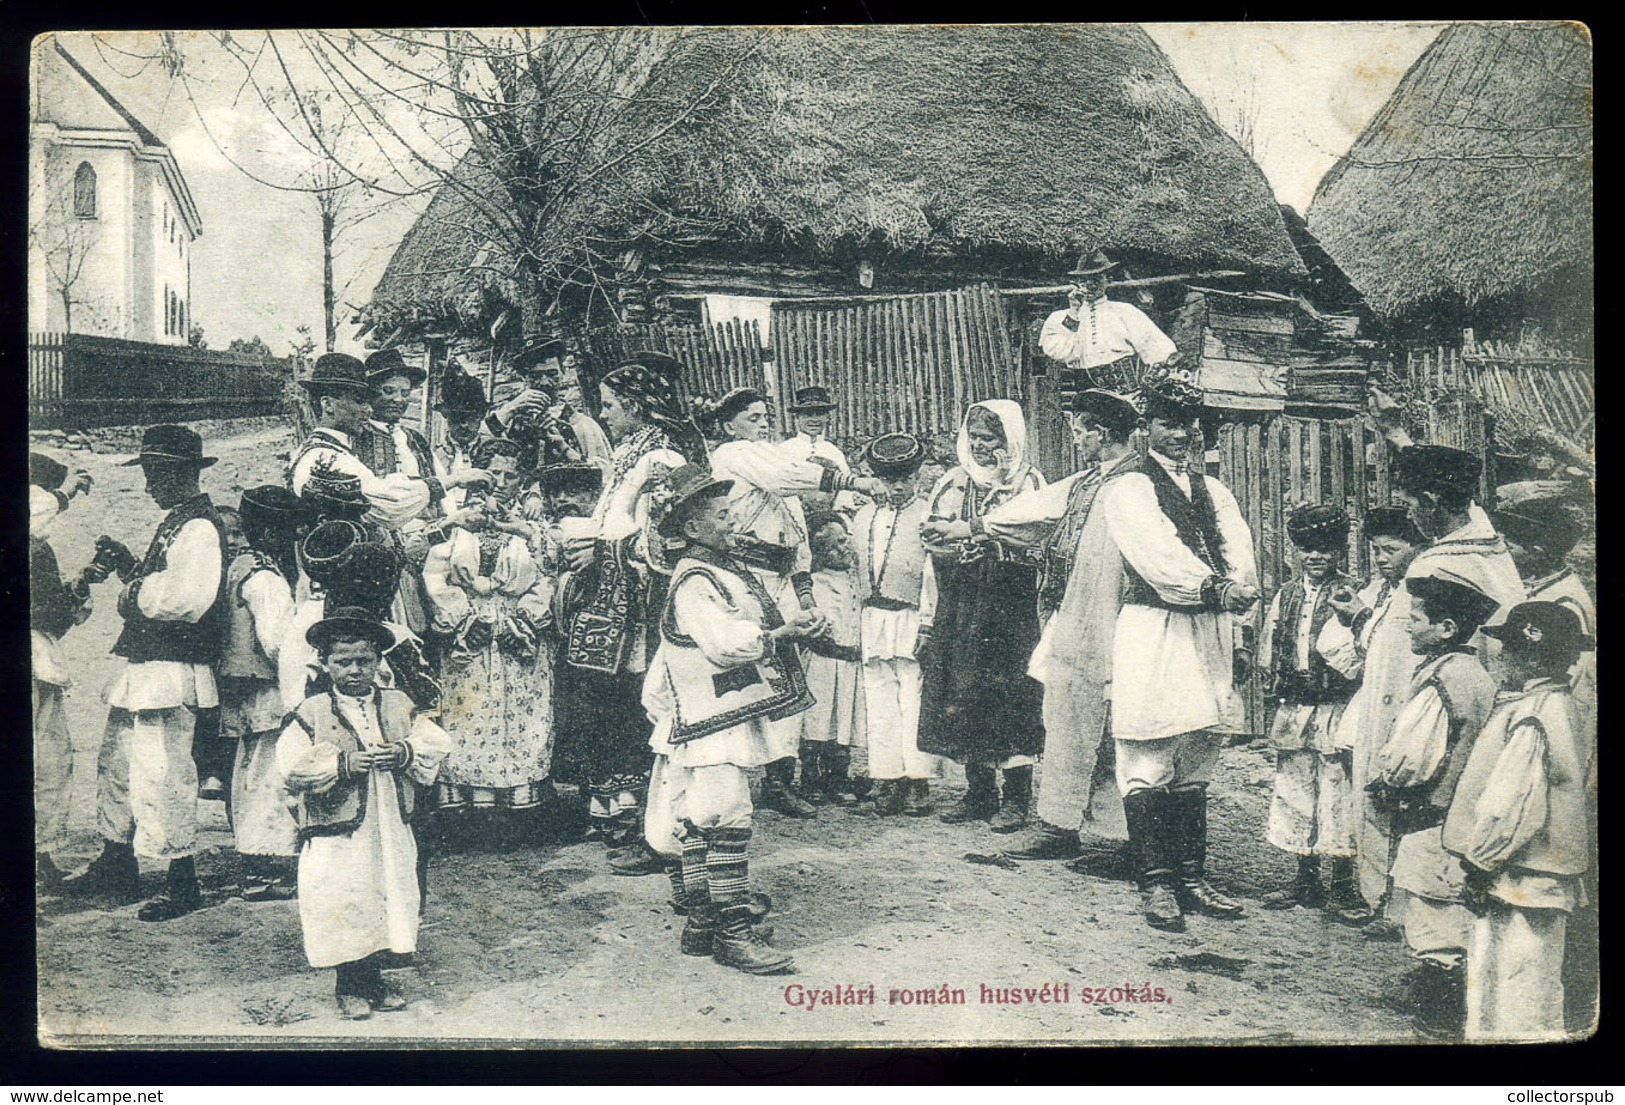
84,191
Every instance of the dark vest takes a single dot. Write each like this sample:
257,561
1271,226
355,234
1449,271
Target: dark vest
1195,522
1319,683
196,642
338,811
376,448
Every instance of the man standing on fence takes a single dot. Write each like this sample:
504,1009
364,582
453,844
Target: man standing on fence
1094,333
174,610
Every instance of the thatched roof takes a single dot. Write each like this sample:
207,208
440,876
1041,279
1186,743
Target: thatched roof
1473,183
920,143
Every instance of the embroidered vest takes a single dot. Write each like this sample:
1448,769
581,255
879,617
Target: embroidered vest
893,571
241,656
376,449
1194,521
144,639
710,698
340,810
1319,683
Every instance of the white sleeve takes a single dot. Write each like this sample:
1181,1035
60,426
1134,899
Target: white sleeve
395,499
1416,745
1266,634
724,636
594,442
928,592
1235,535
1337,646
1149,542
1056,340
1152,345
762,464
1029,517
270,605
186,586
305,765
430,746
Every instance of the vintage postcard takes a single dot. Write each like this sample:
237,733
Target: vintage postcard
685,536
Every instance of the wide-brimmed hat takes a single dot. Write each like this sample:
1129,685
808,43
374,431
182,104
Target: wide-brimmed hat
1093,264
338,372
389,362
350,622
1540,523
691,485
1319,528
1438,469
171,445
1452,597
535,352
812,399
1547,627
461,395
1393,521
1106,408
46,472
893,456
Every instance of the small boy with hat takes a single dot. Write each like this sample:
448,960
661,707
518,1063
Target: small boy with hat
350,756
1416,770
259,604
893,568
810,411
1311,810
726,667
1540,534
835,724
1517,822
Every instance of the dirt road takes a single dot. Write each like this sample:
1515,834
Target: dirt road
543,945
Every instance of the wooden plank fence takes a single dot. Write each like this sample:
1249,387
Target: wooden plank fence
81,380
1522,388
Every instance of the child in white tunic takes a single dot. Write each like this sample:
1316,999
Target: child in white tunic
834,725
351,758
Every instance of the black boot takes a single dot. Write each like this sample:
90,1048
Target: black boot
114,874
742,945
888,797
812,772
179,898
837,775
1016,805
638,860
1343,898
1440,997
1305,889
1147,814
981,799
1196,894
779,793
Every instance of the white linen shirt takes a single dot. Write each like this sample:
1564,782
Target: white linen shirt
1107,331
182,591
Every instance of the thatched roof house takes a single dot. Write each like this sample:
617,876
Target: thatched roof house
1467,200
923,157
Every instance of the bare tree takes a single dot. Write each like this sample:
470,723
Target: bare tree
64,241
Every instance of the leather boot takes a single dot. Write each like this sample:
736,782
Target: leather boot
739,944
1147,814
778,790
1016,806
889,797
916,797
1344,896
114,874
837,775
1305,889
812,772
638,860
981,799
1045,841
1440,997
1196,894
179,898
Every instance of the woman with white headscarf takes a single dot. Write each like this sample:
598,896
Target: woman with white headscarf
980,707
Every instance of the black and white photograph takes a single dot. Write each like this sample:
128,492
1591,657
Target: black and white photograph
767,536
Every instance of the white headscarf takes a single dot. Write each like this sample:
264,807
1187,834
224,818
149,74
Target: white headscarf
43,508
1008,412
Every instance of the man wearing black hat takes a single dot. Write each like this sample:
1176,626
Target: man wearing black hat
810,411
174,619
1189,572
553,432
725,669
1312,806
1093,331
1518,823
462,403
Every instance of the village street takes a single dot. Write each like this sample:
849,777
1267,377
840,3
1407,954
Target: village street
543,945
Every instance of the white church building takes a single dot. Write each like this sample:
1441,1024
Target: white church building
111,221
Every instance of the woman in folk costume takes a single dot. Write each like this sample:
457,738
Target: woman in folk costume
979,706
493,605
352,757
1519,824
726,671
613,594
259,598
773,540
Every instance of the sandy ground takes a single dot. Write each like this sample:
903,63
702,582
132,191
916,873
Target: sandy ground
541,944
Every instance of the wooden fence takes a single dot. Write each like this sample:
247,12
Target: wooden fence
1521,388
719,358
77,381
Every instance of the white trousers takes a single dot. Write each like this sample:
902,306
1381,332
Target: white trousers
715,797
146,782
891,695
1312,806
1185,760
1435,930
53,768
1515,975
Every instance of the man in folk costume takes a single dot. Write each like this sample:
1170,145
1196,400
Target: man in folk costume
726,669
773,541
1374,621
259,609
1078,612
551,432
461,402
810,411
1518,823
353,757
1415,774
1095,335
1311,809
892,566
173,610
1189,571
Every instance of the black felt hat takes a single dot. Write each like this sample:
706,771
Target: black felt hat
1171,394
46,472
1546,627
1319,528
1453,597
461,395
350,622
389,362
538,351
1107,408
691,485
1540,523
271,506
1438,469
812,399
892,456
1392,521
168,444
338,372
367,576
1093,264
